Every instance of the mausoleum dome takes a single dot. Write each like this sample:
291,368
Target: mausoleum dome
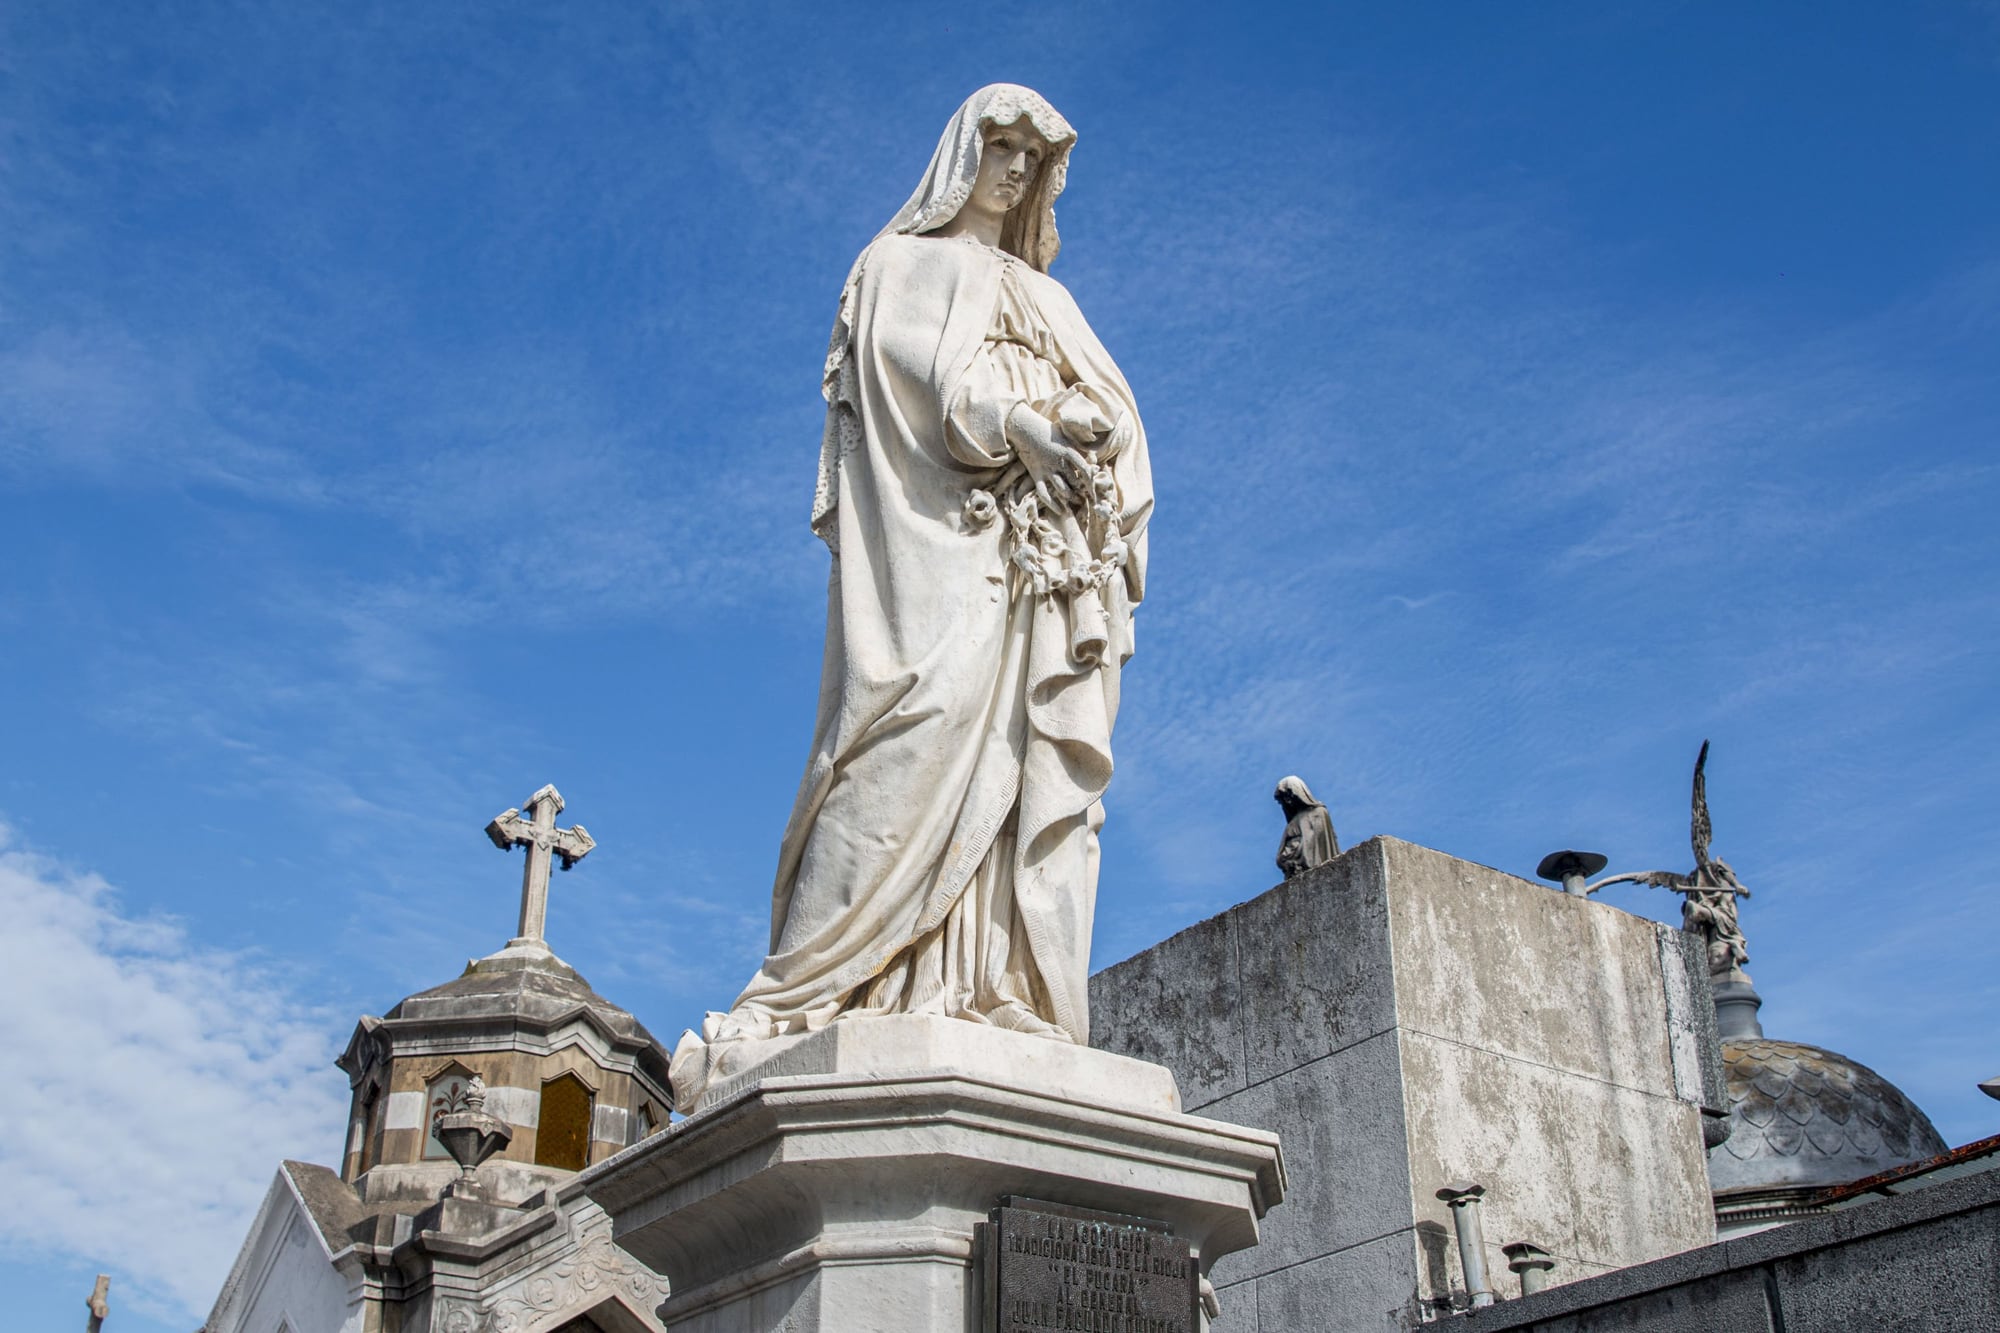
576,1076
541,991
520,1037
1802,1118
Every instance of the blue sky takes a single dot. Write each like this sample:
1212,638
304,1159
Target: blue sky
403,407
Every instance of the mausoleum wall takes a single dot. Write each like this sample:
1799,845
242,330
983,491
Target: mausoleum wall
1405,1020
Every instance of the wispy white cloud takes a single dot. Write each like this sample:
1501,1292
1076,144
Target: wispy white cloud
95,403
153,1085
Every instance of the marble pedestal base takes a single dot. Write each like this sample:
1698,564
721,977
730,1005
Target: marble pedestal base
836,1187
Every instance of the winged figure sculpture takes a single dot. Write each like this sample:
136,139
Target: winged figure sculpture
1710,890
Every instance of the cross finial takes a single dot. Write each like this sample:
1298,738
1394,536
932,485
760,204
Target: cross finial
99,1305
544,841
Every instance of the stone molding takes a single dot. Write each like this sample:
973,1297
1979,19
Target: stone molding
572,1278
412,1038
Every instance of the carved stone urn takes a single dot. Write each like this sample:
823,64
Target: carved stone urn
471,1136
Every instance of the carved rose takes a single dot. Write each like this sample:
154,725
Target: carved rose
981,510
1104,494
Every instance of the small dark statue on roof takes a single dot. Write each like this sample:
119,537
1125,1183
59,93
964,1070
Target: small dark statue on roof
1711,890
1309,837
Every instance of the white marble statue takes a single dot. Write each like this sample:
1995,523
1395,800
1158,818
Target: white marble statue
984,489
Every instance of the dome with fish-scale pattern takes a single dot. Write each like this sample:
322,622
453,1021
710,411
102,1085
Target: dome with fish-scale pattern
1804,1118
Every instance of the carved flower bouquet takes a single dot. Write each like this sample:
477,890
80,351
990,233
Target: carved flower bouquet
1070,549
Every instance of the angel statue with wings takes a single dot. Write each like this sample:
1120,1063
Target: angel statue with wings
1710,890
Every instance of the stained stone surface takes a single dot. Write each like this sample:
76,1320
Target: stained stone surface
1402,1019
1316,968
1339,1117
1181,1009
1580,1166
1337,1291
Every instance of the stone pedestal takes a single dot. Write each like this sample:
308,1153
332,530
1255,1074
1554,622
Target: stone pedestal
838,1185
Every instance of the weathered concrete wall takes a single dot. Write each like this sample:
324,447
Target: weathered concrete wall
1403,1019
1536,1060
1928,1260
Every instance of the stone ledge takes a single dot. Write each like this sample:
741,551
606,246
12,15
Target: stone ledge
1935,1204
917,1044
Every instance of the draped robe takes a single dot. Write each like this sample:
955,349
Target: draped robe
1308,841
963,740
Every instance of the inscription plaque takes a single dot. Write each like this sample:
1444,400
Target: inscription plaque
1051,1266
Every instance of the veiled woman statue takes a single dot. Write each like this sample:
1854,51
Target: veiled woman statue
1309,838
984,490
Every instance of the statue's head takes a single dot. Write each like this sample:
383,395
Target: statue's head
1293,795
1010,161
1002,133
1715,873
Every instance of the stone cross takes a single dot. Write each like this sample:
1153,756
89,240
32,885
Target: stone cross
539,834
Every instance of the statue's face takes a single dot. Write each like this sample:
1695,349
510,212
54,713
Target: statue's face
1012,158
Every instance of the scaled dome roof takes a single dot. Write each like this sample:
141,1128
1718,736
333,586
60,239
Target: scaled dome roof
1802,1117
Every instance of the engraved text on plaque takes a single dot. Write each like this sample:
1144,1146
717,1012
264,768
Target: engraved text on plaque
1050,1266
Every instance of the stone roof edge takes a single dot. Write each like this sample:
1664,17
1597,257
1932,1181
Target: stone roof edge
479,1249
650,1059
260,1242
1881,1180
1378,846
334,1221
1882,1216
640,1039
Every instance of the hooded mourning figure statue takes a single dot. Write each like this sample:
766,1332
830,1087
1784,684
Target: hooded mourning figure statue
1309,837
984,490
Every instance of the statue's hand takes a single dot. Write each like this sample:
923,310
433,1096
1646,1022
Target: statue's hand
1056,469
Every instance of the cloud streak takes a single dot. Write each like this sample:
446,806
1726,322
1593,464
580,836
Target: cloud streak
153,1085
